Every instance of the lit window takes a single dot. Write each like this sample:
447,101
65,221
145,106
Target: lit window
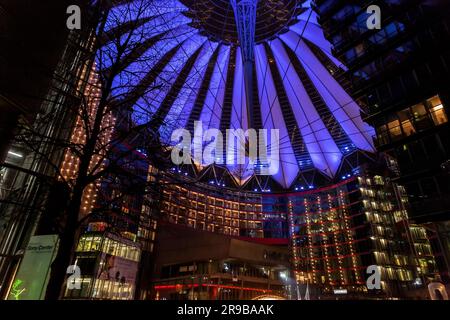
437,111
408,128
419,111
394,128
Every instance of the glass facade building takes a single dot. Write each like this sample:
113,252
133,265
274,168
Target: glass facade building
399,74
341,231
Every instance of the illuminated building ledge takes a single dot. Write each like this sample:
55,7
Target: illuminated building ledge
269,297
181,286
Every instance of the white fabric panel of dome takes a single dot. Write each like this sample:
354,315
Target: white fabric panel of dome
190,51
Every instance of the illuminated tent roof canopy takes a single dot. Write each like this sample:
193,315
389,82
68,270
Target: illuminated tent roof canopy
196,64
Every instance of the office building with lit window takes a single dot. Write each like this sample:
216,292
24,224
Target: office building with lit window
399,74
341,230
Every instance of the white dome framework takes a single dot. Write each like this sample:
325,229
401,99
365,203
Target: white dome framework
298,86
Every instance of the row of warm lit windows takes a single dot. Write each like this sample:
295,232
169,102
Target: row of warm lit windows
201,199
411,120
396,274
384,232
400,215
376,180
254,231
401,260
382,244
382,258
378,218
218,224
418,233
210,215
423,249
213,214
379,194
378,205
387,273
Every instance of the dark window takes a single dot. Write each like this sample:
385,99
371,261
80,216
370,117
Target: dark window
429,187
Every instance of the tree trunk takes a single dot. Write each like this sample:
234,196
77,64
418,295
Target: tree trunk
67,246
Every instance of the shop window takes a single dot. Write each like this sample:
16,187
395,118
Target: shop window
96,243
81,244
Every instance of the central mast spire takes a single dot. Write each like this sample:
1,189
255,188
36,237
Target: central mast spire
245,16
